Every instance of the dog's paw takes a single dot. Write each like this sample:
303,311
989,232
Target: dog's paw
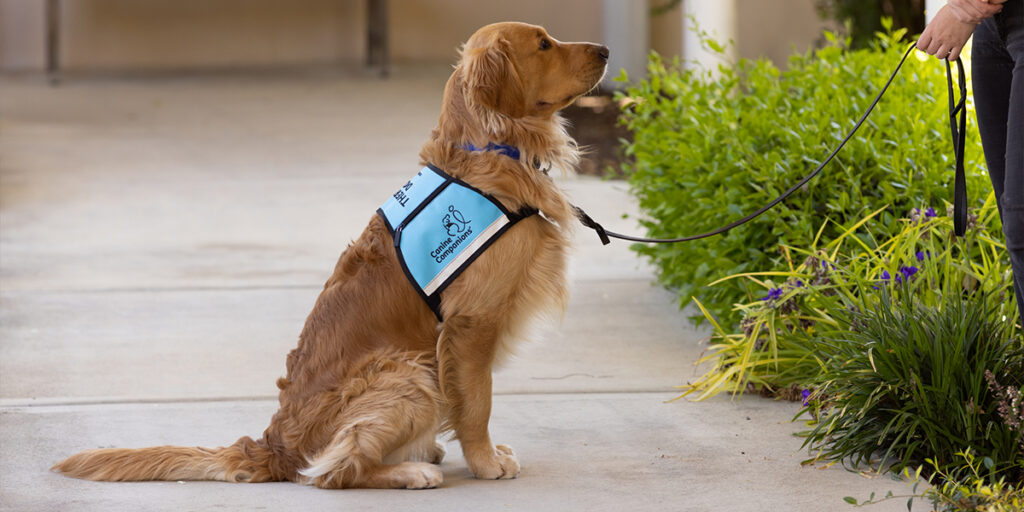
418,475
501,464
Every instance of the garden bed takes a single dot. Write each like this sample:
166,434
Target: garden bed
852,296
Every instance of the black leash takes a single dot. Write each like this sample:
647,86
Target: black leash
958,131
960,180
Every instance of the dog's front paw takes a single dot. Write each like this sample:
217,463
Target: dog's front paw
500,463
422,476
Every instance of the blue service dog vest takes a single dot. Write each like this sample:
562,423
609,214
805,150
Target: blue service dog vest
440,225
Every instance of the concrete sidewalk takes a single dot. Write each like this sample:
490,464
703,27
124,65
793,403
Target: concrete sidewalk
162,239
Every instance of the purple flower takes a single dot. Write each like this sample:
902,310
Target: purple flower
921,256
907,271
773,294
930,212
799,283
806,395
904,274
884,277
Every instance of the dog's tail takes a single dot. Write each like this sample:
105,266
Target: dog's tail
244,461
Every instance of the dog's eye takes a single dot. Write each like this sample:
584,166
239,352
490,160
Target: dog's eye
545,44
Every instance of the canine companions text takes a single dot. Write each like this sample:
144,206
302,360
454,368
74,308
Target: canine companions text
377,375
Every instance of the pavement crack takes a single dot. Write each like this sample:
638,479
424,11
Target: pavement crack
570,375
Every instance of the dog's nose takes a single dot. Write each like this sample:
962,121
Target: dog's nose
602,51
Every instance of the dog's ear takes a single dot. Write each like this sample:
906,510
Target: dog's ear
491,79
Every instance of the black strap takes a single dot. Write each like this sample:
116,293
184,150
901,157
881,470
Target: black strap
958,131
960,191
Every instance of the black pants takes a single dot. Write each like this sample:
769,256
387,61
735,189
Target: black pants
997,68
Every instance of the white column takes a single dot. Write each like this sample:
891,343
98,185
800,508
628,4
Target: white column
931,7
717,18
627,35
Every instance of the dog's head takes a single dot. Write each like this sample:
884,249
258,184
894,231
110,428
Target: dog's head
518,70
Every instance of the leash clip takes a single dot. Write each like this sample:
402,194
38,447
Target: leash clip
592,224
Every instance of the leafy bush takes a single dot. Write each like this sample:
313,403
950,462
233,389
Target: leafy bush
779,348
904,348
908,381
968,488
709,147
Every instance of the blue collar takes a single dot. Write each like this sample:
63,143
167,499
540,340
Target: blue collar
509,151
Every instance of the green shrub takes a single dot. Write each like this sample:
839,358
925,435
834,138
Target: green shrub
910,347
710,147
908,382
778,347
969,487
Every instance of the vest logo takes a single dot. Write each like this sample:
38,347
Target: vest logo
459,224
458,229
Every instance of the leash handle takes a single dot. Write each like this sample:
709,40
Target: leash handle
958,132
960,181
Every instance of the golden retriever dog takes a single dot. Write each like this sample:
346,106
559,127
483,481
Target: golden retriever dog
376,376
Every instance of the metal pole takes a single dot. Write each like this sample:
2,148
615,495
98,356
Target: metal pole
53,41
377,36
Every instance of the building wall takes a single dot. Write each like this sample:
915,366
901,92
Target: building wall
776,28
176,34
168,34
432,29
765,28
21,34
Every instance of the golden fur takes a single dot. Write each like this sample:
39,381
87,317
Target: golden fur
375,378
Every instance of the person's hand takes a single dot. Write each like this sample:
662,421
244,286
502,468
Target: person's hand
946,35
973,11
